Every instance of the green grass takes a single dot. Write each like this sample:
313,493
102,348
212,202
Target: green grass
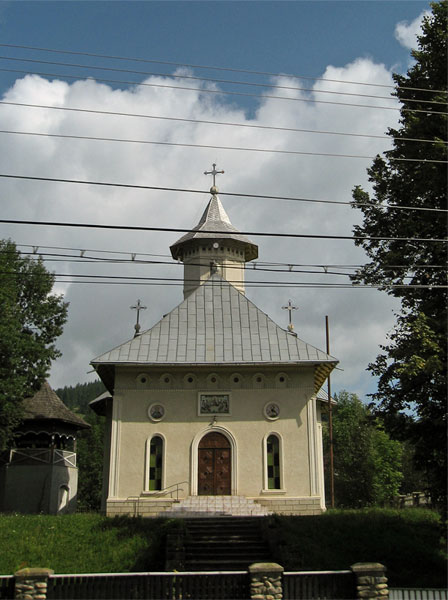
82,543
408,542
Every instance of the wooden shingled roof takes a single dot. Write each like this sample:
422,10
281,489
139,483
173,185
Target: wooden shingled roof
46,405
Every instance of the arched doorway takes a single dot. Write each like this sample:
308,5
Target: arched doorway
214,465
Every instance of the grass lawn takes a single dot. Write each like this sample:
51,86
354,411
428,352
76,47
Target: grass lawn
82,543
408,542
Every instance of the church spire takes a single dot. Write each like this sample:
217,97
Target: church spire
214,245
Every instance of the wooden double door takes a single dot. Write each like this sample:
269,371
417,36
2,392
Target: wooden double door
214,465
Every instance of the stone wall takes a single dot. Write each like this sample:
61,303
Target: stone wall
292,506
31,584
134,507
266,581
371,581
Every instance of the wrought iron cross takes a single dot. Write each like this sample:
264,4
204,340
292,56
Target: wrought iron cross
289,307
138,307
214,172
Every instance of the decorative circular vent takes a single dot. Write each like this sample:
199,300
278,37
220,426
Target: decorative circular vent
142,379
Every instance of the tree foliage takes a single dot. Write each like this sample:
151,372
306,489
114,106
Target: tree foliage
77,397
367,463
31,318
412,368
90,442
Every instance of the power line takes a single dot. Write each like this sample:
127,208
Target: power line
70,259
210,146
247,283
215,68
225,234
240,195
208,122
223,92
36,251
212,80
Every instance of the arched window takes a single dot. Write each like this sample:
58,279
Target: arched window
155,463
273,462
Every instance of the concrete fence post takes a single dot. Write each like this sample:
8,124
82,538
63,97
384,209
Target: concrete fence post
31,584
371,581
266,581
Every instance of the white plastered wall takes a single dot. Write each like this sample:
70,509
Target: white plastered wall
246,427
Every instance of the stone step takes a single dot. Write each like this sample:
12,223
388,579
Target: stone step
224,543
215,506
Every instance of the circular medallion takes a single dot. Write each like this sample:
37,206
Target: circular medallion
272,411
156,412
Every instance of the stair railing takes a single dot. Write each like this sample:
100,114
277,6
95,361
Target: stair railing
176,489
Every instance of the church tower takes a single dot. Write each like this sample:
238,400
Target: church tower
214,246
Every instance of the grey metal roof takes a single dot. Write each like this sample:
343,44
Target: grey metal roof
215,224
216,324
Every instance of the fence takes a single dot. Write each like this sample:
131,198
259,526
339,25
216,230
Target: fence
332,585
225,585
7,586
262,581
417,594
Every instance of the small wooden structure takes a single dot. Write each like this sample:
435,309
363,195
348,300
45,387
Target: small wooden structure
39,473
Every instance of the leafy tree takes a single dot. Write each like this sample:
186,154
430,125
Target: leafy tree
31,318
90,442
412,368
367,463
90,445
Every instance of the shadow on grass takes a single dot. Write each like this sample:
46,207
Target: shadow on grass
151,557
409,543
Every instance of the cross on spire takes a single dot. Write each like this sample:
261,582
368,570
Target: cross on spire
213,172
138,307
289,307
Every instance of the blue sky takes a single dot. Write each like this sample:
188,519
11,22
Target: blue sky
280,37
339,41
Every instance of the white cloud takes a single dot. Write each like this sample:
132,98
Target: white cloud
406,33
99,315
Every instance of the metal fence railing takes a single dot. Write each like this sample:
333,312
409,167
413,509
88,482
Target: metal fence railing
220,585
418,594
7,585
311,585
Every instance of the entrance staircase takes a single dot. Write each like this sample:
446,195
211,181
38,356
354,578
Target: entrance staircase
216,506
223,543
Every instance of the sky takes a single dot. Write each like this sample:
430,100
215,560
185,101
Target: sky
303,53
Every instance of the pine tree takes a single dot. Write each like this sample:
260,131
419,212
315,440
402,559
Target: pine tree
412,368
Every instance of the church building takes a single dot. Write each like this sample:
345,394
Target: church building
214,409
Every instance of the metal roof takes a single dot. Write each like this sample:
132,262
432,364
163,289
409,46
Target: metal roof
217,324
215,224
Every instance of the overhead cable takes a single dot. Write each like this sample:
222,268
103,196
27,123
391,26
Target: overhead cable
208,122
225,234
221,92
247,283
210,146
214,68
212,80
36,249
71,259
240,195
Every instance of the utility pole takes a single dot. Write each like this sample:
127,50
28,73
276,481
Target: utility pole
330,419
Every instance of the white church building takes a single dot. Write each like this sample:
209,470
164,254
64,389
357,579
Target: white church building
214,409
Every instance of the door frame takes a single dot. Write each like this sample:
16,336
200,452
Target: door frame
195,452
